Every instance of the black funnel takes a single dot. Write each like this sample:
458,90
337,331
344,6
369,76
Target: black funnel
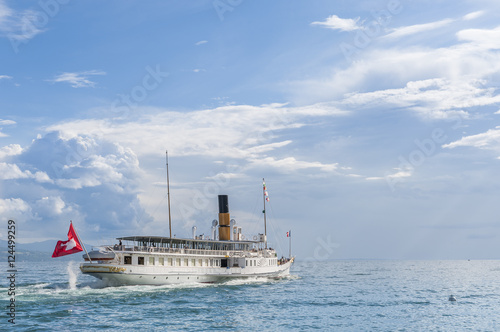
223,204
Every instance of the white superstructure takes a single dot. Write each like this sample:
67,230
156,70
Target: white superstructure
161,260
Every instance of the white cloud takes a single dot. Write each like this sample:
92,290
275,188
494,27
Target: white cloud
51,206
42,177
79,183
374,178
337,23
79,79
241,131
418,28
19,25
13,206
89,180
290,164
268,147
472,59
488,39
103,170
201,42
400,173
5,11
224,176
5,123
431,99
5,77
12,171
487,140
10,150
473,15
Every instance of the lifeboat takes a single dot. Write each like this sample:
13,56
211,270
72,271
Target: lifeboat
100,255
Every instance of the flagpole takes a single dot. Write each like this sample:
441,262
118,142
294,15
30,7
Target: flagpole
79,240
168,202
265,223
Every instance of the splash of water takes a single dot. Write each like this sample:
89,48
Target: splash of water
72,277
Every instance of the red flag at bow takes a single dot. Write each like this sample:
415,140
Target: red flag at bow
71,246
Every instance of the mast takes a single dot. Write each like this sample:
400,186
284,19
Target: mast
264,211
168,199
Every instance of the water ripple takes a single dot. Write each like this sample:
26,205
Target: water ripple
337,295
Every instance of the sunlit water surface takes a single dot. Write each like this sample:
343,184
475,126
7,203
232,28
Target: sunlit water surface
334,295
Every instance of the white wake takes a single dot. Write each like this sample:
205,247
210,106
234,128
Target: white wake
72,276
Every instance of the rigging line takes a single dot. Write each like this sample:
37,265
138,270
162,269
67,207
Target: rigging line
159,204
277,238
255,223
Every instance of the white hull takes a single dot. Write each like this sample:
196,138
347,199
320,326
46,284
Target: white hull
117,275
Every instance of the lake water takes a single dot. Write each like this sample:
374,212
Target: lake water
333,296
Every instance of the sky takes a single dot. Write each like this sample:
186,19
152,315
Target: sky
374,123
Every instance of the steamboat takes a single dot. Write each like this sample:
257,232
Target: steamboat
157,260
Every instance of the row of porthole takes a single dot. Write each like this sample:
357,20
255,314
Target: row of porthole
167,277
141,261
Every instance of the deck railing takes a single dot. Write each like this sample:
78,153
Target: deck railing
199,252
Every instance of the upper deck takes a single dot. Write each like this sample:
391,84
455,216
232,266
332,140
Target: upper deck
187,247
159,243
